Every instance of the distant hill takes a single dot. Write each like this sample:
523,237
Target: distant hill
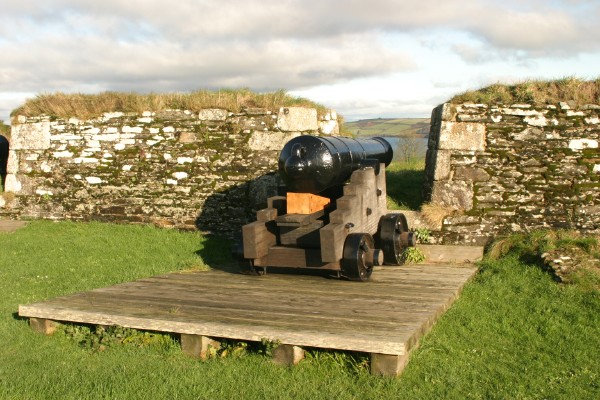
401,127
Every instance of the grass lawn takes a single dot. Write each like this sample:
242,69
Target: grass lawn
401,127
513,333
405,184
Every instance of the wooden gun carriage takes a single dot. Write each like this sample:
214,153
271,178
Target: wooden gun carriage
334,215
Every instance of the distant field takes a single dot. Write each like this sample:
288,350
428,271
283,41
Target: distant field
389,127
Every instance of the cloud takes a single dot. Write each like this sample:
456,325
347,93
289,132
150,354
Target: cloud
62,64
150,45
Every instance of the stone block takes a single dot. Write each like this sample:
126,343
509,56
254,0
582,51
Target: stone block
581,144
12,165
540,121
441,169
462,136
213,114
263,141
471,174
588,210
42,325
198,346
287,355
298,119
33,136
447,112
454,194
329,127
387,364
529,134
12,184
416,220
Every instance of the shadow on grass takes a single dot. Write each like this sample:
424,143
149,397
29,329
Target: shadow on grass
216,252
17,317
405,187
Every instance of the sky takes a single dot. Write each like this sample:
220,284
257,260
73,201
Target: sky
363,58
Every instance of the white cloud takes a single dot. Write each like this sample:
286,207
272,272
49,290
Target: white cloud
303,45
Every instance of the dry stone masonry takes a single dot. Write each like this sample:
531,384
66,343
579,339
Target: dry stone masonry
209,170
514,168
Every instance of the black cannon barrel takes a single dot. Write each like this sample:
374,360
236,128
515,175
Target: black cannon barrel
311,164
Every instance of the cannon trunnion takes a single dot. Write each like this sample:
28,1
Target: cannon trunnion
334,215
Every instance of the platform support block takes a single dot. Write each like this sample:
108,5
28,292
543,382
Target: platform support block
43,325
198,346
388,364
287,355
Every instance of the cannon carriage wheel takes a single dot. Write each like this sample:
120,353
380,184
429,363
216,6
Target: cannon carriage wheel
357,262
393,236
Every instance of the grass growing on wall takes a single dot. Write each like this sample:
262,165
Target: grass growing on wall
4,129
87,106
573,89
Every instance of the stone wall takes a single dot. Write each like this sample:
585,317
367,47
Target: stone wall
499,170
209,170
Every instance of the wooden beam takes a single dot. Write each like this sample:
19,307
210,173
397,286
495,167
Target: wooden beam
266,214
42,325
332,238
295,257
257,238
305,203
198,346
287,355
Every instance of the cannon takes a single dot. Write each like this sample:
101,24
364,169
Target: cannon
333,214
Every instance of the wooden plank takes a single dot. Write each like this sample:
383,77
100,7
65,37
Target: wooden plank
384,317
316,288
302,306
266,215
295,257
299,219
256,332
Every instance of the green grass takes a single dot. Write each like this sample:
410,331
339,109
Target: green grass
389,127
513,333
404,184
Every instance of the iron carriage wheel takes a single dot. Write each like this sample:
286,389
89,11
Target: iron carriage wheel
357,261
390,237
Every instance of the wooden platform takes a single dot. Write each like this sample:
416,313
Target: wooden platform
384,317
